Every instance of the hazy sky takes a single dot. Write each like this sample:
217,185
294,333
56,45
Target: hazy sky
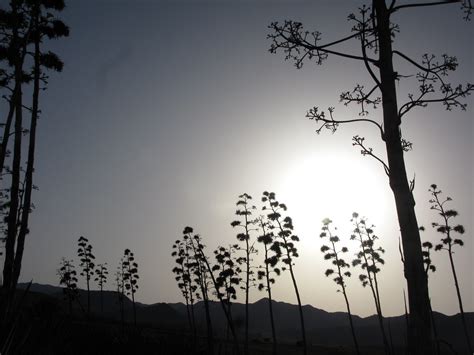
167,111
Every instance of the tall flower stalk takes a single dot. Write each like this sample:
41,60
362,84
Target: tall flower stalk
333,253
284,246
369,258
448,243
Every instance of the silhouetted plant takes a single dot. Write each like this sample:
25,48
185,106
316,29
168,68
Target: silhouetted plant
448,242
130,278
68,278
200,256
84,252
373,32
266,276
201,277
228,277
333,253
184,271
369,258
24,24
244,211
429,266
101,273
45,24
120,284
284,245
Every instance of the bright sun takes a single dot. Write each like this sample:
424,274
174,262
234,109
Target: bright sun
321,186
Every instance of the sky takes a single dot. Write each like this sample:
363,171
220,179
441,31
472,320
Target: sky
166,111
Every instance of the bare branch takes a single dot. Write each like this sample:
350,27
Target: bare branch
359,141
360,97
424,4
299,44
332,124
449,64
364,44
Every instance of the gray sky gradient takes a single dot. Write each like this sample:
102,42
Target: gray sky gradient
167,111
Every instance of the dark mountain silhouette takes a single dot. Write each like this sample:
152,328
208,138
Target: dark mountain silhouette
323,328
157,314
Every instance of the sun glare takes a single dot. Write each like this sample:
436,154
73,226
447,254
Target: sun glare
334,187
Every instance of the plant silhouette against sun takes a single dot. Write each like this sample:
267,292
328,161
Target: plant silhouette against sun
130,278
184,271
374,33
429,266
206,275
200,277
228,277
369,258
84,252
333,253
448,242
266,274
101,273
284,246
247,224
68,278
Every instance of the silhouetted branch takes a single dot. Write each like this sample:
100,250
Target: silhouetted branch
295,43
359,141
332,124
360,97
422,4
466,6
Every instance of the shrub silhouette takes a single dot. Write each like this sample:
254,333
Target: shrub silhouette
369,258
332,253
448,242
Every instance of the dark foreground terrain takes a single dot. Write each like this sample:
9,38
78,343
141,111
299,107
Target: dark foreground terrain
43,324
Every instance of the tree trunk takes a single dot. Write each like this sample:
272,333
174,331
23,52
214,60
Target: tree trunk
15,180
31,155
388,348
6,131
461,308
14,200
420,339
